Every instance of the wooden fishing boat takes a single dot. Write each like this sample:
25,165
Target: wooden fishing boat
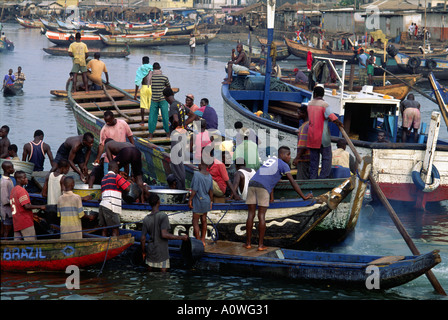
24,166
6,44
161,40
319,268
132,40
12,90
301,51
66,38
282,53
363,115
425,66
57,254
288,222
61,51
27,23
441,94
397,91
171,30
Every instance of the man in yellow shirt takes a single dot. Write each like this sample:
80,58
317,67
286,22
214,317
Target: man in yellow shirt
78,50
97,68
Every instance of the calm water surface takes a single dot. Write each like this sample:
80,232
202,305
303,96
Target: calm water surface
36,108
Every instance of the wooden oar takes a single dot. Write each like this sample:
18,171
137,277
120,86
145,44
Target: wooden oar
410,86
429,274
115,105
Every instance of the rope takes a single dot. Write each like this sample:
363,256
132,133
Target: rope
105,258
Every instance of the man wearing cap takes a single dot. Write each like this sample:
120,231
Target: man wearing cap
189,102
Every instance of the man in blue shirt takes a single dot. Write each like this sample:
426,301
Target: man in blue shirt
362,58
260,192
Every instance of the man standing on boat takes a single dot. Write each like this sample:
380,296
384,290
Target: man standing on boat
9,79
97,68
362,58
158,82
319,139
20,76
35,151
78,50
143,78
410,110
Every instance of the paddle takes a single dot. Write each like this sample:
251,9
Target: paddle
412,87
429,274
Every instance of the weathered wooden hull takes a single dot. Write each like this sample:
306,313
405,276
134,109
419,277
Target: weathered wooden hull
65,39
162,40
440,71
393,163
60,51
288,222
301,51
12,90
319,268
33,24
57,255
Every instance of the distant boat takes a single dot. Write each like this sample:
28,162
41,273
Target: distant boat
145,41
66,38
61,51
415,64
301,51
282,53
132,40
27,23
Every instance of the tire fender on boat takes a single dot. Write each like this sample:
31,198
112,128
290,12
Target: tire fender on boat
431,64
416,178
414,62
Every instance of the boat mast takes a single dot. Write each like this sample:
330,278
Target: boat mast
270,25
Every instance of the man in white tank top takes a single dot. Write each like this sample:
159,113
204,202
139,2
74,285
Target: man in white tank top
242,177
52,188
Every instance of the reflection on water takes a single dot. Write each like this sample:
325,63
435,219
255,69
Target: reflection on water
201,75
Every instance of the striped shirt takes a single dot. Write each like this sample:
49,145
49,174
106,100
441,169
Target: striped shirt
70,211
158,83
301,141
111,187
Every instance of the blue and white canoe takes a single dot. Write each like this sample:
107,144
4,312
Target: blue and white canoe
364,272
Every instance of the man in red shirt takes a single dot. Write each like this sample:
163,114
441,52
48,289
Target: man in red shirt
21,207
221,180
319,139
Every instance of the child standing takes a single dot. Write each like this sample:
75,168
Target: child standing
54,182
70,211
201,199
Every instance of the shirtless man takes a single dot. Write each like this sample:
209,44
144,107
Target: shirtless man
237,64
126,153
4,143
76,150
35,151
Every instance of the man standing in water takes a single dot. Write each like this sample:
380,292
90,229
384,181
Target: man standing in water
78,50
143,78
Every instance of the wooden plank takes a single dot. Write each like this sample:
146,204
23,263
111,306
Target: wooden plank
386,260
283,112
99,94
235,248
108,105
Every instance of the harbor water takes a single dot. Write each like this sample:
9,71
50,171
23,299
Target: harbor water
200,75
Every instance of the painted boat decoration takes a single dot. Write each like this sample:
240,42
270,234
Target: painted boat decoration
159,40
321,268
66,38
393,163
407,64
288,222
57,254
62,51
441,94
